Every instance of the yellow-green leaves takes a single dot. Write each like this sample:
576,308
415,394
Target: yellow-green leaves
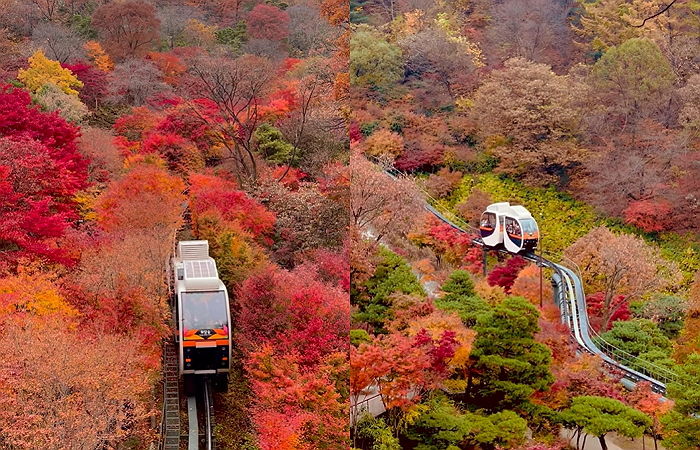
43,71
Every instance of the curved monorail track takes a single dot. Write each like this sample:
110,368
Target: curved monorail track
571,300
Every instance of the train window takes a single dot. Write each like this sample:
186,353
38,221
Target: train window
204,310
488,220
529,225
512,226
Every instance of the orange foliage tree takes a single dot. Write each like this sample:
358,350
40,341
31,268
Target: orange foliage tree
170,65
112,302
527,285
398,367
653,405
32,293
68,389
298,409
97,55
616,265
146,198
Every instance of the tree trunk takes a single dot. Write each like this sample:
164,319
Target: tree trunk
603,444
578,438
607,309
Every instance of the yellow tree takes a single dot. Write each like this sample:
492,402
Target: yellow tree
384,143
33,293
43,71
199,34
606,23
97,55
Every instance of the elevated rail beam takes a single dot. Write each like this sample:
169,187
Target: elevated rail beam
571,300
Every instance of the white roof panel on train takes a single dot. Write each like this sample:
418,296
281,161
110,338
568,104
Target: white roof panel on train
520,212
505,208
501,208
205,268
198,269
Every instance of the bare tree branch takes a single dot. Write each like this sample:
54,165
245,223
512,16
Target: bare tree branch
666,8
236,87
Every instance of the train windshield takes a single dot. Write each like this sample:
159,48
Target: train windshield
204,310
529,225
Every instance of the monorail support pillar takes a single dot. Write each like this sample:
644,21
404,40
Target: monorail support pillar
483,261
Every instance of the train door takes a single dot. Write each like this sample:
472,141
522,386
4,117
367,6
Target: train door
513,238
490,229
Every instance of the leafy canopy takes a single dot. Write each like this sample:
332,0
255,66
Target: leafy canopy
632,75
642,338
510,365
373,297
374,62
599,416
445,426
43,71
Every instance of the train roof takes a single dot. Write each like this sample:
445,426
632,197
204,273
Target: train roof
195,269
506,209
520,212
500,208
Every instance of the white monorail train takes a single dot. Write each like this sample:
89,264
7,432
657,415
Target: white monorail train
203,313
511,226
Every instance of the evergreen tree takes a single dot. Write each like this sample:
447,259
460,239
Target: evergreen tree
461,298
443,425
599,416
272,145
682,424
509,365
392,275
459,283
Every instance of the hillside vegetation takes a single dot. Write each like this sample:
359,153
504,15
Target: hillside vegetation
584,112
128,124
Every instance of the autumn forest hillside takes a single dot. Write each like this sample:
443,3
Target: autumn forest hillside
303,139
126,125
586,113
